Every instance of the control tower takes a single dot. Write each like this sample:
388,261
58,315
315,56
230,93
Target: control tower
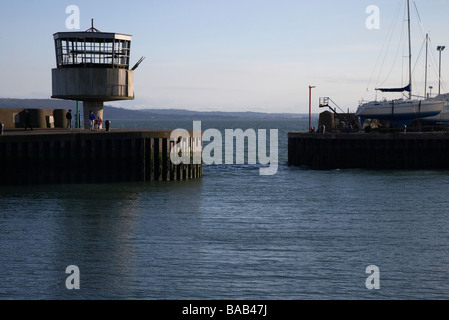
92,67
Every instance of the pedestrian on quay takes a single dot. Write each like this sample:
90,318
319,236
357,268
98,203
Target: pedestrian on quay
92,120
28,119
99,123
69,119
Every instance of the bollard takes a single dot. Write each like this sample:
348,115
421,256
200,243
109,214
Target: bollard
108,125
2,127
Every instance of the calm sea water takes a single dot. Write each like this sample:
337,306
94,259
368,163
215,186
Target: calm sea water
299,234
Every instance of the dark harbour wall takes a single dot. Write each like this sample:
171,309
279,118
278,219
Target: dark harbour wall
369,150
91,157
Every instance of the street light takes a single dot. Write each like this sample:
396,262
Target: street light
310,107
440,48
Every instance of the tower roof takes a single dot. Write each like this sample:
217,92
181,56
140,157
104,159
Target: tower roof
92,36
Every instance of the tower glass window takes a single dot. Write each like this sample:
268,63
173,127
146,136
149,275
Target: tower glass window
87,49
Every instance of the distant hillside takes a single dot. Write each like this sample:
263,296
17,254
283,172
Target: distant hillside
35,103
114,113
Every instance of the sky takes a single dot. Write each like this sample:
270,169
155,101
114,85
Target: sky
237,55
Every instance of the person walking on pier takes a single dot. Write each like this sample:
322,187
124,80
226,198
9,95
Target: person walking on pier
69,119
99,123
92,120
28,119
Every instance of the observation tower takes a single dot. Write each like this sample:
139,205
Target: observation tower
92,67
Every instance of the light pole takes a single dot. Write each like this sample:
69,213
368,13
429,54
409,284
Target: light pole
310,107
440,48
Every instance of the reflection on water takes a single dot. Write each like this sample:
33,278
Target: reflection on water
95,227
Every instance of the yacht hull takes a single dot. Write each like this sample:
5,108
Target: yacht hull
400,110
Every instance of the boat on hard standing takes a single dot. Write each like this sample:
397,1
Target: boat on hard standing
443,117
401,111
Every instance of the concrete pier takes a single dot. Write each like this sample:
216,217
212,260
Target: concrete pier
420,150
63,156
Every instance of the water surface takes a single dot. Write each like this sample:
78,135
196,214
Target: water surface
233,234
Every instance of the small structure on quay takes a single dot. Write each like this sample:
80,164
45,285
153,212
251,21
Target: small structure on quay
15,118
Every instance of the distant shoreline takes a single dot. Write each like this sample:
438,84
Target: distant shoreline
117,113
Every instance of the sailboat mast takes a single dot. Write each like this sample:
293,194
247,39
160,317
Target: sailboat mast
409,51
425,79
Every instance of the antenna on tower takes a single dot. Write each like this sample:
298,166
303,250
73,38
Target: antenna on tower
137,64
92,29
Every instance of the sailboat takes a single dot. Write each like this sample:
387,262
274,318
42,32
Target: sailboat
401,111
443,117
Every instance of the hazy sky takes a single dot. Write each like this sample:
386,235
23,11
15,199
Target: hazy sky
234,55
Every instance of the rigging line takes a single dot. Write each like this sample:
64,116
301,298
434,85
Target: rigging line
417,58
409,51
419,20
386,51
388,45
426,72
419,54
435,68
387,40
400,45
433,62
417,12
421,28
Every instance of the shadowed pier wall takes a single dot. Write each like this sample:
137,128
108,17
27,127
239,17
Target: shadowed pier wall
92,157
369,150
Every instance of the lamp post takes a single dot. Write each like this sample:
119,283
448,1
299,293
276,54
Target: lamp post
310,107
440,48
